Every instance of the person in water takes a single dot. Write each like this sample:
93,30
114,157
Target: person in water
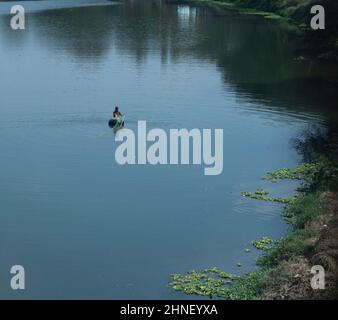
118,116
117,113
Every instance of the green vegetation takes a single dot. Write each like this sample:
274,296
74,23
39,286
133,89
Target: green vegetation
297,11
208,282
213,282
303,210
248,287
305,171
295,244
263,243
273,269
261,195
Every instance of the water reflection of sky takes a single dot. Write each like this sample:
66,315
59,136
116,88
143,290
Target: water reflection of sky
186,15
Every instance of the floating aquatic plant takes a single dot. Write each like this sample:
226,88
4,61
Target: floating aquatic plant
212,284
304,171
263,243
262,195
207,282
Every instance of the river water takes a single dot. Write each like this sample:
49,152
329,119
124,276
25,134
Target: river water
85,227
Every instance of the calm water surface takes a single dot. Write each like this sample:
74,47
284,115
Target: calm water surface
84,227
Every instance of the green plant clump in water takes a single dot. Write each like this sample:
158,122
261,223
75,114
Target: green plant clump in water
221,284
263,243
262,195
208,282
304,171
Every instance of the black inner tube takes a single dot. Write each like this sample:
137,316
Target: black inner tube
112,123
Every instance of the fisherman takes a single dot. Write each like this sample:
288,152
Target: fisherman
117,113
118,116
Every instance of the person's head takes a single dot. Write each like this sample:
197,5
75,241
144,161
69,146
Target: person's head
116,109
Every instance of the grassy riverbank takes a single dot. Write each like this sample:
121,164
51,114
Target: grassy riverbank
284,269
